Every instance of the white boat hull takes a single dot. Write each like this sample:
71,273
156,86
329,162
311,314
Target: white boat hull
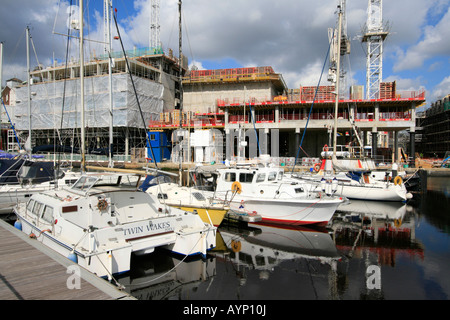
375,193
102,263
289,211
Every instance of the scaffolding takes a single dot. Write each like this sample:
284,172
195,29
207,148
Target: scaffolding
436,129
56,114
232,75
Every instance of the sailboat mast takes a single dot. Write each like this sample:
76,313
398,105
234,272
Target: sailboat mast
337,80
28,145
180,63
83,146
108,31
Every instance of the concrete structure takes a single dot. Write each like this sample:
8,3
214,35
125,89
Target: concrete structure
215,99
280,114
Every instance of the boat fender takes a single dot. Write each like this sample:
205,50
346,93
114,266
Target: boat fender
18,225
317,167
236,187
102,204
398,180
73,257
235,246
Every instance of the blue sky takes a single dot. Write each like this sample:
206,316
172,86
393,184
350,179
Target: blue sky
289,35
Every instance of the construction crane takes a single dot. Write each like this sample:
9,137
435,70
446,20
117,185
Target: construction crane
154,25
374,34
344,49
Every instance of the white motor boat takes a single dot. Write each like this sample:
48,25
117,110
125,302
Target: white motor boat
103,218
362,186
263,190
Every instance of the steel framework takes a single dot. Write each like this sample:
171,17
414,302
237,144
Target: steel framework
374,36
154,25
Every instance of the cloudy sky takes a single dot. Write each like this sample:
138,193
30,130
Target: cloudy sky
289,35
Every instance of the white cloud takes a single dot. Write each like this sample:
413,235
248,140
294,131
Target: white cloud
196,64
435,42
441,90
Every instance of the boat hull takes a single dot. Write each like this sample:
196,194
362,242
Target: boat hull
207,215
102,263
290,212
392,193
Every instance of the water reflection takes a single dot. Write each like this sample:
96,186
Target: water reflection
266,262
386,229
163,276
265,247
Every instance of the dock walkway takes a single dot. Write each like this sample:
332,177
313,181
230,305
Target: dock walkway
31,271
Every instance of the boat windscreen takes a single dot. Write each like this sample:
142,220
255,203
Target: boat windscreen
84,183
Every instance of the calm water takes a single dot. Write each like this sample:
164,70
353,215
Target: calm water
371,250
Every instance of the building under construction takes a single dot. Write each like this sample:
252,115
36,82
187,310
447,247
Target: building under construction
249,99
434,126
259,114
55,100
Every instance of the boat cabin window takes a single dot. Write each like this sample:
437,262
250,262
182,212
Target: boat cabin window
246,177
280,175
36,208
47,214
299,190
260,177
272,176
30,205
229,177
84,183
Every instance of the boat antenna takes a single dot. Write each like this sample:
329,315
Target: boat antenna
312,104
134,88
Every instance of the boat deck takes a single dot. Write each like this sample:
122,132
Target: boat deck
31,271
